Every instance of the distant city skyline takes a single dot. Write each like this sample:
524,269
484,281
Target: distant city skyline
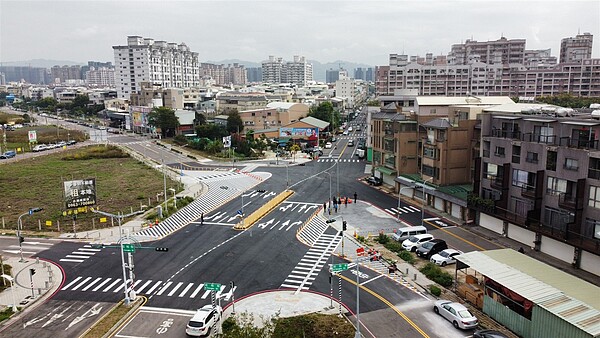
354,31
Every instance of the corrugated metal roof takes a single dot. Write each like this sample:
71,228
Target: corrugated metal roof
558,292
464,100
315,122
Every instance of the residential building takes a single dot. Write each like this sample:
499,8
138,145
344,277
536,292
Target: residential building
169,65
501,51
538,181
224,75
245,101
274,115
346,89
539,59
62,74
576,49
365,74
332,75
100,77
33,75
298,71
254,74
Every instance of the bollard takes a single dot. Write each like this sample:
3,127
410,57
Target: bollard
39,291
46,283
44,264
415,277
37,260
407,271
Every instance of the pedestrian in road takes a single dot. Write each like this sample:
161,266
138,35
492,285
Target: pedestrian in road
345,202
339,202
355,198
324,207
335,206
202,219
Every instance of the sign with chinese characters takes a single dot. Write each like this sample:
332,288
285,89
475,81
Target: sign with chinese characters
299,133
80,193
32,135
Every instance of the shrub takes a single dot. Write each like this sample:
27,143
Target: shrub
407,256
383,238
180,140
393,246
436,274
361,239
436,291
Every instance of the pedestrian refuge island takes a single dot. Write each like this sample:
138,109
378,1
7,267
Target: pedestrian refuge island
249,221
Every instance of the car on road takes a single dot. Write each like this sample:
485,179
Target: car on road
413,242
358,128
350,143
445,257
328,145
204,319
430,248
489,334
345,132
374,181
456,313
333,139
8,154
349,129
40,147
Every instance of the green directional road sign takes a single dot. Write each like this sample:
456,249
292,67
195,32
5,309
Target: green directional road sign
128,248
339,267
212,286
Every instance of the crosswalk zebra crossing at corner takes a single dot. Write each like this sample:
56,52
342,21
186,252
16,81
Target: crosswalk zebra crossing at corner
402,210
310,233
341,160
153,288
305,272
80,254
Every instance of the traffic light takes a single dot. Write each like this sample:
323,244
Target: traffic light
161,249
344,226
32,271
21,239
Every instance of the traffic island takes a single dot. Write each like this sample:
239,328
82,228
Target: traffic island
249,221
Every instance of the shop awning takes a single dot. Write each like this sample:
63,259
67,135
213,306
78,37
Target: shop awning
386,171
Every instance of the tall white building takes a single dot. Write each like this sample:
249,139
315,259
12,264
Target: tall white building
159,62
575,49
101,77
276,70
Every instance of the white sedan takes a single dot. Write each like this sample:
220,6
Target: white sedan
445,257
456,313
328,145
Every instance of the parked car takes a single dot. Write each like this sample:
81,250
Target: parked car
456,313
39,147
403,233
413,242
374,180
203,320
489,334
445,257
71,142
8,154
328,145
430,248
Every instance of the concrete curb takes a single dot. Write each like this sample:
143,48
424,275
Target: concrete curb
263,210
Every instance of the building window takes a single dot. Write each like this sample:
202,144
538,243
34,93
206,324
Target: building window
571,164
432,111
521,178
594,200
556,186
490,171
531,157
499,152
516,154
595,225
551,160
557,219
430,153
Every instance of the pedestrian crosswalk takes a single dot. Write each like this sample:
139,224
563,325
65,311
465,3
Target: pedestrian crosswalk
222,187
311,232
81,254
402,210
153,288
30,247
305,272
341,160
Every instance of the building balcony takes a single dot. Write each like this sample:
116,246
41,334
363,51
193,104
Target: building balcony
497,183
515,135
528,191
579,144
594,173
538,138
567,201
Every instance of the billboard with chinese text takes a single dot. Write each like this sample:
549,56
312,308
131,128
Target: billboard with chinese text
297,133
80,193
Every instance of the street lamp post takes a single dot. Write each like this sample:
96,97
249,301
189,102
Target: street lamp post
357,335
424,197
174,198
12,287
164,183
20,229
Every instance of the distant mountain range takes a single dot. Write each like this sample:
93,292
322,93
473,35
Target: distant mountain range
319,69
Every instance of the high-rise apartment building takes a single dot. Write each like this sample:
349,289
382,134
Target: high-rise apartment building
254,74
101,77
169,65
224,75
332,75
365,74
501,51
276,70
62,74
575,49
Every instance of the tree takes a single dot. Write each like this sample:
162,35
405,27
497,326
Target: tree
325,112
294,149
211,131
165,119
200,119
234,122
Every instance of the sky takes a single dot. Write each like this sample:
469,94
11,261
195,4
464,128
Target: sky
356,31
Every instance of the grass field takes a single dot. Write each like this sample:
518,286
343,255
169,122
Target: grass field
122,184
19,138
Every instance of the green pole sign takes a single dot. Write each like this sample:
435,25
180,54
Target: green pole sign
128,248
212,286
339,267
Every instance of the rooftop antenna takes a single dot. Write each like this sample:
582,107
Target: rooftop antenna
578,30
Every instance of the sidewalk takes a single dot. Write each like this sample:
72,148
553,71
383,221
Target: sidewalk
46,281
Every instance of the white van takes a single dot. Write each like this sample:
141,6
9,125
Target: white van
403,233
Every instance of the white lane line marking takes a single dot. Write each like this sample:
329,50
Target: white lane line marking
175,289
370,280
187,288
197,290
91,284
70,284
143,287
101,284
164,288
111,285
154,287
